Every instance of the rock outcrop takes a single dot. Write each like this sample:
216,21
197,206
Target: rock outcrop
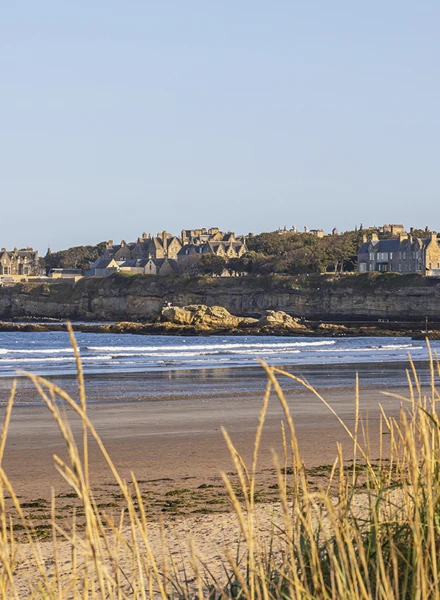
201,315
280,321
217,318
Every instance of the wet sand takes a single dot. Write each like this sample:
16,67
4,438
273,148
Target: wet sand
172,441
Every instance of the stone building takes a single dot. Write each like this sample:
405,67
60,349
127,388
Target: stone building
405,254
103,267
191,243
149,266
18,263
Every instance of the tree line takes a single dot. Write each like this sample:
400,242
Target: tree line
299,253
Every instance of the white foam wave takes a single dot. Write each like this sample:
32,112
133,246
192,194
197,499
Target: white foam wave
45,359
37,351
397,346
371,349
238,352
193,347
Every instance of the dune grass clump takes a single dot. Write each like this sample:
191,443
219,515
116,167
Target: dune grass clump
370,530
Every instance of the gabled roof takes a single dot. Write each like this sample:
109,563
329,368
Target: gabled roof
388,245
427,241
135,262
103,263
380,246
174,238
157,261
171,262
188,249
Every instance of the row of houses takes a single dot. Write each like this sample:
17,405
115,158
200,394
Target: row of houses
191,241
104,267
165,254
404,254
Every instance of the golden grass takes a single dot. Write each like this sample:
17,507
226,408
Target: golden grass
372,532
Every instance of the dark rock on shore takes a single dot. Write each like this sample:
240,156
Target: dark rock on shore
430,335
201,319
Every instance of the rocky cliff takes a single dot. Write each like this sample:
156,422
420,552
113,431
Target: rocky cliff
363,297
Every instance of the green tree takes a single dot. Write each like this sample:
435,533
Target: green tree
78,257
210,264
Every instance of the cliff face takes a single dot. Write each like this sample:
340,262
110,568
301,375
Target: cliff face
142,297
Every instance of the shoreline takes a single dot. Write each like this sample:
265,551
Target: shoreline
309,329
207,384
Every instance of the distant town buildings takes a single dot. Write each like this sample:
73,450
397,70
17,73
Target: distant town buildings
385,249
18,263
165,254
317,232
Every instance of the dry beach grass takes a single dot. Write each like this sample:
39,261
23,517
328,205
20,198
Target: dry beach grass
371,529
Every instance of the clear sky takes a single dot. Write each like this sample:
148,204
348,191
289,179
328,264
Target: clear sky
123,117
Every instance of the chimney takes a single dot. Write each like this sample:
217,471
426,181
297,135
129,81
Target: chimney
434,236
364,239
374,237
165,242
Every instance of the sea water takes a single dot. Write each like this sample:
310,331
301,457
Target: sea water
50,353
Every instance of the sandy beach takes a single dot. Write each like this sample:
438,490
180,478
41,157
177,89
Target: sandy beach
176,449
173,444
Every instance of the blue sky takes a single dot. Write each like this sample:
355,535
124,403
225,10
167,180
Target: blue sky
123,117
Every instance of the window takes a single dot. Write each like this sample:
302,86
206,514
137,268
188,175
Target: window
391,256
362,267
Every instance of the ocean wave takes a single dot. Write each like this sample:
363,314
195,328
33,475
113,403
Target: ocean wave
192,347
374,348
397,346
36,351
45,359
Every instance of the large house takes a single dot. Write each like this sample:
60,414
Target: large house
405,254
16,263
